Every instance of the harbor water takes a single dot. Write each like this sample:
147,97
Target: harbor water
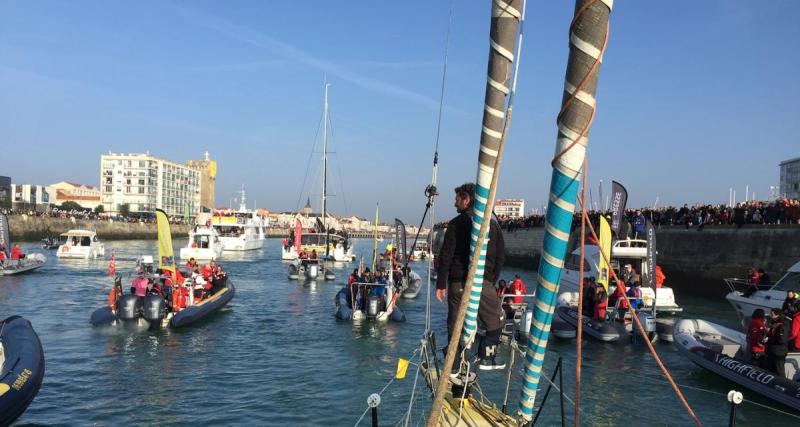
277,356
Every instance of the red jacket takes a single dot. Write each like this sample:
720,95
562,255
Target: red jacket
518,288
16,253
794,336
600,309
619,295
755,332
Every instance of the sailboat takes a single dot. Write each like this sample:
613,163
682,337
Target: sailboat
330,247
464,404
163,298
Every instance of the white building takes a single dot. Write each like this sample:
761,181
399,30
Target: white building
30,197
86,196
790,178
146,183
511,208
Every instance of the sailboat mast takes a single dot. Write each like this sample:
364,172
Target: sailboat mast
325,170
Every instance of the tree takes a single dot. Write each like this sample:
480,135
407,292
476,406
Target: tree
99,209
70,206
124,209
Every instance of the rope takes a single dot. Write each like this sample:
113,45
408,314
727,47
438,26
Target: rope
414,354
579,344
585,219
308,166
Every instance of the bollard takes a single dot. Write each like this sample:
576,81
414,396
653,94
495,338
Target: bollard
735,398
373,401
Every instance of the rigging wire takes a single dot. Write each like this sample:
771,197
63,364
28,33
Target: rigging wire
338,167
308,166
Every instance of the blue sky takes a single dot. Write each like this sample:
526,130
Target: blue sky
694,97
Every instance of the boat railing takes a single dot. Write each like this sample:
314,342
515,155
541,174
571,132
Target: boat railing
736,284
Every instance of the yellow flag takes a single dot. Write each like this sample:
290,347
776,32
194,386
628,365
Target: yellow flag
402,367
166,258
605,249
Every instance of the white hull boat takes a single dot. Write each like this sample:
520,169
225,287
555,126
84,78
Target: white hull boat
30,262
204,245
80,244
241,230
765,299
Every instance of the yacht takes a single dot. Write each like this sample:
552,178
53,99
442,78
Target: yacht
241,230
204,244
632,252
765,299
82,244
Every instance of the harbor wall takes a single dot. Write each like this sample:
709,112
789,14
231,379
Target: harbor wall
25,228
689,256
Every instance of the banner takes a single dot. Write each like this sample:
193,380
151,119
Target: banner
650,231
5,242
400,233
619,198
166,258
298,233
605,251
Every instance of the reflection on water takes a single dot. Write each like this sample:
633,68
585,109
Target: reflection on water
278,356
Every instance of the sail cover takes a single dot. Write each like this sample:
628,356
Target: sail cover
166,258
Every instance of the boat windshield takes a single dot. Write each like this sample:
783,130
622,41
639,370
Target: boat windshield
318,239
200,241
230,231
789,282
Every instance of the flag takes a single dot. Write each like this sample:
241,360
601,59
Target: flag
112,265
402,367
619,198
650,231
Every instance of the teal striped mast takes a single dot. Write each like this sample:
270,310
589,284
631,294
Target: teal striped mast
506,17
587,40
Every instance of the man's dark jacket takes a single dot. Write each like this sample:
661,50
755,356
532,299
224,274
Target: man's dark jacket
454,255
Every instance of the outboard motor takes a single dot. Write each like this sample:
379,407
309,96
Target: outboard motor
329,275
128,307
293,272
312,271
649,325
373,305
154,308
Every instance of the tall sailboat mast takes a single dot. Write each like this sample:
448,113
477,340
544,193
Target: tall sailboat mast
325,170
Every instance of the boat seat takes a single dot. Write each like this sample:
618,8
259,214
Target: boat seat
721,344
792,366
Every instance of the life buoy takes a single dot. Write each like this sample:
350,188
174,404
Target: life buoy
65,248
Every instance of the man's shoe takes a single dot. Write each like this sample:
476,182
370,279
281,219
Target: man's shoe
490,365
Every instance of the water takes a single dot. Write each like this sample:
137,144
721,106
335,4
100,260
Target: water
277,356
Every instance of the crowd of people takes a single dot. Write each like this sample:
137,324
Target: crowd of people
88,215
780,211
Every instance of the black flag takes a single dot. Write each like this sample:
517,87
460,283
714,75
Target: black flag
650,231
619,198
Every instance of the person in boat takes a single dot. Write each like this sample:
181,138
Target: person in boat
601,304
757,337
794,332
777,343
116,292
502,289
453,269
2,258
518,288
380,276
75,241
16,253
366,276
635,296
218,276
618,300
638,224
589,296
660,277
763,279
139,286
789,304
192,267
628,275
753,279
313,254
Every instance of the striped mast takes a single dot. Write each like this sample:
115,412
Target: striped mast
506,17
587,42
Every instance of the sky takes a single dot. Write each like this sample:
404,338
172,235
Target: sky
695,97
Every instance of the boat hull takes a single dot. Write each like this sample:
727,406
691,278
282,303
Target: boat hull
603,331
22,370
232,244
29,263
200,254
196,312
733,368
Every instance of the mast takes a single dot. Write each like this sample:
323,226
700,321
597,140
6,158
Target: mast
325,170
506,16
587,42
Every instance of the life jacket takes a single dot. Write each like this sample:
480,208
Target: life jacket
518,288
16,253
2,255
755,333
112,298
619,295
794,336
600,309
179,298
207,272
660,277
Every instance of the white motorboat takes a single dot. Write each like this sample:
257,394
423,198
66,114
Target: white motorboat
81,244
204,244
421,251
765,299
724,352
241,230
633,252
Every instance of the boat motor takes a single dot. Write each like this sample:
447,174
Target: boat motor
329,275
373,305
648,323
129,305
312,270
154,308
293,272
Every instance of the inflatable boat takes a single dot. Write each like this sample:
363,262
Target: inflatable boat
723,351
368,305
21,367
30,262
155,309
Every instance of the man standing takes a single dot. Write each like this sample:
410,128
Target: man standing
638,225
454,258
